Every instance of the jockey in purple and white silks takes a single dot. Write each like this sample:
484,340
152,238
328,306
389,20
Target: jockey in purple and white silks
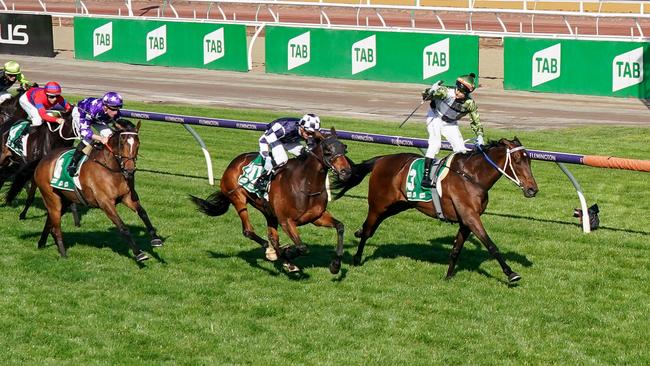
94,113
282,135
446,108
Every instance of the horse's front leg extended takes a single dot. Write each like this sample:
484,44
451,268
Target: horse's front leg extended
327,220
475,224
111,212
289,226
156,241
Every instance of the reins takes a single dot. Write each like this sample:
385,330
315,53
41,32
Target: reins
506,164
121,160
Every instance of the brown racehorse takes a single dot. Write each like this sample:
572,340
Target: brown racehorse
464,192
41,140
106,179
10,110
297,196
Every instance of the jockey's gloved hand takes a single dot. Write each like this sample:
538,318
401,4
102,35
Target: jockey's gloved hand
427,94
479,140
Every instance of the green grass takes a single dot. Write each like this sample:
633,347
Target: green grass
209,297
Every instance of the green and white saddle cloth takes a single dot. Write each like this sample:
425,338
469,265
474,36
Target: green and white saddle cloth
17,139
413,184
250,173
61,179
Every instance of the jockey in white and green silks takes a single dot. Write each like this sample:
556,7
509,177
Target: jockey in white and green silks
446,108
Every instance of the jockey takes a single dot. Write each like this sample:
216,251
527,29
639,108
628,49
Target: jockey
282,135
446,108
97,113
9,74
37,101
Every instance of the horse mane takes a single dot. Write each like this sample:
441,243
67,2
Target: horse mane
124,125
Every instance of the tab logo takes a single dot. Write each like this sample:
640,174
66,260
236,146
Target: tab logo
364,54
627,69
547,64
102,39
299,50
213,46
435,59
156,42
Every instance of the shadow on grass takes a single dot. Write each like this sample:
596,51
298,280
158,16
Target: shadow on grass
109,238
437,251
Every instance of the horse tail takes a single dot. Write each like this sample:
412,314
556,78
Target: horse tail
216,204
24,175
359,172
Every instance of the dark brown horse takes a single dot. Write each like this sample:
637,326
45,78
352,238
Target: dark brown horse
41,141
464,197
106,178
297,196
10,110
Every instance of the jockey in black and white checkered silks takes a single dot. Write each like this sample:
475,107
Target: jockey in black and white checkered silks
282,135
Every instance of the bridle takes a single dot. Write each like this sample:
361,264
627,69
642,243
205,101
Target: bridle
506,164
327,160
121,160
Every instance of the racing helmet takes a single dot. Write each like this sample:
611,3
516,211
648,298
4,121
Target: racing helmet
52,88
310,122
12,68
466,83
112,100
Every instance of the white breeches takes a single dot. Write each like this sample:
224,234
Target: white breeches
278,155
4,96
32,111
438,128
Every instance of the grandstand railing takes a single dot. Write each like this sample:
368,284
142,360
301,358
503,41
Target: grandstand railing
426,10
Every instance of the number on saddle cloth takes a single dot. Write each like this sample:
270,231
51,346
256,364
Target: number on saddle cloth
414,189
250,173
60,178
17,137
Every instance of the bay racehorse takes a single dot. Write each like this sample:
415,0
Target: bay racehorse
297,196
464,192
41,141
106,178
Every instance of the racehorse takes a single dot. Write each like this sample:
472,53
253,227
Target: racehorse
40,142
106,178
10,110
297,196
464,197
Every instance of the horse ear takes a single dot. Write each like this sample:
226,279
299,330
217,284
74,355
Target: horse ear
333,131
137,127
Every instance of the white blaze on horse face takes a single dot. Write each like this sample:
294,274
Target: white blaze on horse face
131,142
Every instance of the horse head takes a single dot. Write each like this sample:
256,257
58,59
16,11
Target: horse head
333,154
124,144
517,166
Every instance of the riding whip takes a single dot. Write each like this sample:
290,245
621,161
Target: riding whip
407,118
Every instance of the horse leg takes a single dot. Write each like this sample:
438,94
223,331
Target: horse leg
461,237
272,250
75,215
299,248
327,220
475,224
31,193
156,241
247,229
46,231
111,212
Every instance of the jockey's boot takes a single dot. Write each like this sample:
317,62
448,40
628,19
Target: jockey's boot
426,179
76,157
261,182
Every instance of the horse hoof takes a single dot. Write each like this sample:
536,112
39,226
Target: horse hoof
157,242
271,255
22,217
335,266
302,250
356,260
513,277
291,268
141,257
357,234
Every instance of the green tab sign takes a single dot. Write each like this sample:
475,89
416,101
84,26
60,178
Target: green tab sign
577,66
184,44
371,55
